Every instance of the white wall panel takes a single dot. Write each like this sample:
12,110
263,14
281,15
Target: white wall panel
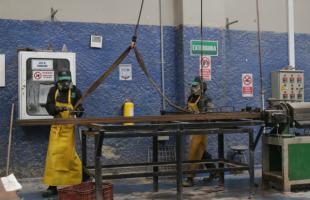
273,12
101,11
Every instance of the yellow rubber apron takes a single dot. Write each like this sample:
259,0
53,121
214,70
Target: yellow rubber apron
63,166
193,107
198,143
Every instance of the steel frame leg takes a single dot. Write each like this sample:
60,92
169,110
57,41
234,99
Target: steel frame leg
84,154
251,161
220,139
98,174
179,159
155,159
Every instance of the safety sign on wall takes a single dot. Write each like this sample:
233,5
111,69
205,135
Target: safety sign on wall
40,64
247,85
204,47
205,67
125,72
43,76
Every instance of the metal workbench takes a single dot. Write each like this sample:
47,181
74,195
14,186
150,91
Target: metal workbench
179,130
178,126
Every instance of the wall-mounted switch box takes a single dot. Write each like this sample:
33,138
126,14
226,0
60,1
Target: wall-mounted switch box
288,85
96,41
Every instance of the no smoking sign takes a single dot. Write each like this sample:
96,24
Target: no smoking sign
37,75
205,65
247,85
43,76
247,79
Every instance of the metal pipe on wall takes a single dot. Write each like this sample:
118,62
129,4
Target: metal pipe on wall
201,41
162,58
262,92
291,36
10,141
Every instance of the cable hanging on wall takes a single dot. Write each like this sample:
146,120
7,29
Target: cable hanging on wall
142,65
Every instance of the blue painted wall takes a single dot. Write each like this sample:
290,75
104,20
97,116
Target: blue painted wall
237,54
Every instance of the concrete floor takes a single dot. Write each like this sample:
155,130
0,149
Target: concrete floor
236,187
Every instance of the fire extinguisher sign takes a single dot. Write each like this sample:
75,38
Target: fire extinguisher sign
247,85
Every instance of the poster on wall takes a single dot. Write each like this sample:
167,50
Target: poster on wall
125,72
205,67
247,85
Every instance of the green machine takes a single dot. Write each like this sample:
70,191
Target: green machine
286,147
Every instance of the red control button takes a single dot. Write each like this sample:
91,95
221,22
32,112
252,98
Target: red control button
292,78
299,78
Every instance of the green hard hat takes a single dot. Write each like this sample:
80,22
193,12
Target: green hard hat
196,81
64,75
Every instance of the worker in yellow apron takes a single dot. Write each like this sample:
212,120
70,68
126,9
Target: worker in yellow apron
63,165
197,103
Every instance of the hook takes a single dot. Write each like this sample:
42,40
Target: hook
53,13
230,23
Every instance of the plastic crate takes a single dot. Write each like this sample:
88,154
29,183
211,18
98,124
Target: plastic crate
85,191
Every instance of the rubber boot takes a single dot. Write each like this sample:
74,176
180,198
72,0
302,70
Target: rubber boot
86,176
51,191
189,182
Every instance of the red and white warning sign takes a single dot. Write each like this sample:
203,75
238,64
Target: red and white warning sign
247,85
43,75
205,64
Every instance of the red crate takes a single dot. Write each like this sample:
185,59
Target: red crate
85,191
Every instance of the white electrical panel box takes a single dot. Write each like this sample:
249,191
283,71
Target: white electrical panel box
2,70
96,41
37,73
288,85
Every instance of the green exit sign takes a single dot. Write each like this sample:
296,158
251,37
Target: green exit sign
208,47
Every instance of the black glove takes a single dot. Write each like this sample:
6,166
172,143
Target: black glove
60,109
79,111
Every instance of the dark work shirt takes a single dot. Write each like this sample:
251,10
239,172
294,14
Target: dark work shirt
63,98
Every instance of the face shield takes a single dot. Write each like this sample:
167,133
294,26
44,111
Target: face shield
64,80
64,85
196,89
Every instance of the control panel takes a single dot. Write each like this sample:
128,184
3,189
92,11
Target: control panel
288,85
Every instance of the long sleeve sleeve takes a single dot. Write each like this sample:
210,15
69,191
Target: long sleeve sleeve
80,108
50,102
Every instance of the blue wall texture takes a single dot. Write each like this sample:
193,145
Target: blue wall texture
238,53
